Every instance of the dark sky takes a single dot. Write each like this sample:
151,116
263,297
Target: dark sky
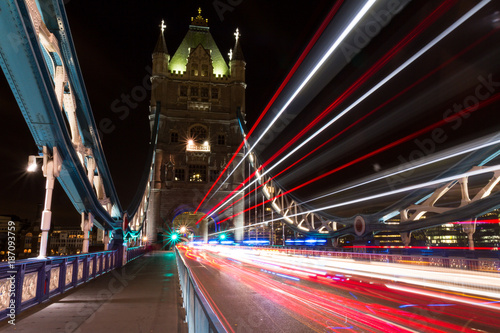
114,40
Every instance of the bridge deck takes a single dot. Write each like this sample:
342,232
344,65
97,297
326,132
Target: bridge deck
142,296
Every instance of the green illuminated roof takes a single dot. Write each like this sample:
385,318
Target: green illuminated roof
195,36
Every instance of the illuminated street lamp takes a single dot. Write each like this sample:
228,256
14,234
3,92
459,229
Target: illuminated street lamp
32,165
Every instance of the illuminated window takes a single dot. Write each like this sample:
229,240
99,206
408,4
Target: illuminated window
221,139
179,175
194,70
204,70
174,137
197,173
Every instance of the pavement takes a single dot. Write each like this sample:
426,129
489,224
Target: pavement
142,296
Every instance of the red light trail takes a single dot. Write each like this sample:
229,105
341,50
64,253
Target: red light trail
308,48
445,6
416,134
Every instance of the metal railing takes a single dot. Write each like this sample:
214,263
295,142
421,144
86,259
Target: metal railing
135,252
200,316
29,282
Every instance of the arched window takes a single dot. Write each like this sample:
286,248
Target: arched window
198,134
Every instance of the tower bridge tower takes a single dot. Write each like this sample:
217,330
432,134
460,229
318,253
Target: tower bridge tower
200,95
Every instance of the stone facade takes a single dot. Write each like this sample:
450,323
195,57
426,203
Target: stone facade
200,96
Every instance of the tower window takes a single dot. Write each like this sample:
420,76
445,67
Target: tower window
174,137
179,175
194,91
198,133
197,173
194,70
215,93
221,139
183,91
204,70
204,92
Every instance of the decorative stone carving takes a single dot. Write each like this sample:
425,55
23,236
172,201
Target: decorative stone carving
54,278
29,286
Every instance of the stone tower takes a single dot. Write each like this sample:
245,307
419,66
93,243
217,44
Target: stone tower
200,97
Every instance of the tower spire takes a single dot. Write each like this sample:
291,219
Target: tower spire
161,46
237,53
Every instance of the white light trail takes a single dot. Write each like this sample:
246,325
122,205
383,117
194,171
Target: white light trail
445,156
332,48
405,189
451,298
453,280
377,196
436,40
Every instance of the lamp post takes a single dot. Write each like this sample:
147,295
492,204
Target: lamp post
51,169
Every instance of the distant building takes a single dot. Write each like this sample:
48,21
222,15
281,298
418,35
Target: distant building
21,226
486,234
66,240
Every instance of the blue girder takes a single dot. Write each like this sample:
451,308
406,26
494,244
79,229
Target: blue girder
24,65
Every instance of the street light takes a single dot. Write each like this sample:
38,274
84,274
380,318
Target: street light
32,165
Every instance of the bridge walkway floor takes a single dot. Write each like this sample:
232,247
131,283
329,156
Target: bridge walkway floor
142,296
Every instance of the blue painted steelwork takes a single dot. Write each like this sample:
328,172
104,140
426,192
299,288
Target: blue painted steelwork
25,68
30,70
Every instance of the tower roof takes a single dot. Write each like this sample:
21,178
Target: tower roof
196,35
161,46
237,52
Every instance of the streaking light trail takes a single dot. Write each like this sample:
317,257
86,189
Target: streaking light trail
320,63
405,189
417,30
377,151
308,48
372,90
446,155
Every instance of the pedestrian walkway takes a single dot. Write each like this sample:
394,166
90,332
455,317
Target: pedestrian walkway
142,296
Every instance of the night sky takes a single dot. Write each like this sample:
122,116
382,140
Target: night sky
114,41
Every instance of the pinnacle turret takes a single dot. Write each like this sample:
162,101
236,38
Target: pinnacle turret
237,53
161,57
161,46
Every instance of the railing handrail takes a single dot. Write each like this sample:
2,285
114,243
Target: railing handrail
210,314
28,282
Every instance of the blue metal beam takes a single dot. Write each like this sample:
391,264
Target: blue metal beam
24,66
